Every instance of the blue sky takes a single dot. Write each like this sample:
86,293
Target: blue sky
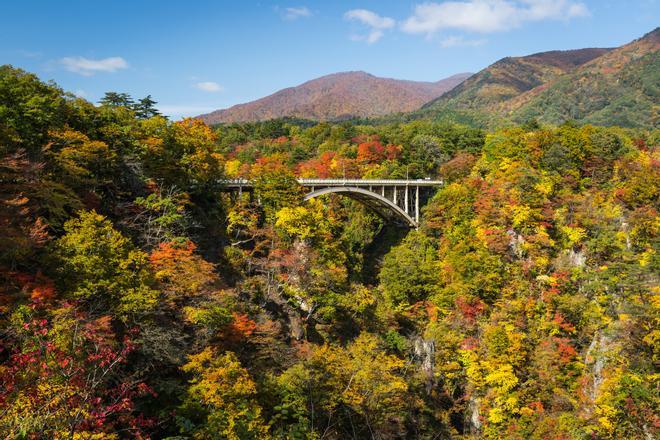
194,57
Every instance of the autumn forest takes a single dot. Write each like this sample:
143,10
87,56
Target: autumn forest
138,299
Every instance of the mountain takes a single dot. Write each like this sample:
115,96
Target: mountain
619,86
339,96
508,78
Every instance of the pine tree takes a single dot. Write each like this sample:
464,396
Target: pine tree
114,99
145,109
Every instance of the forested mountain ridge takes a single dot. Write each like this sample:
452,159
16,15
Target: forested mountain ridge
617,86
338,96
137,300
621,87
511,76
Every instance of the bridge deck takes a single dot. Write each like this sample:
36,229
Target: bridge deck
360,183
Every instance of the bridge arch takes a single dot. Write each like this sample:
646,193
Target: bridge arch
379,204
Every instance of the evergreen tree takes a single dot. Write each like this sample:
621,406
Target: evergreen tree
145,109
114,99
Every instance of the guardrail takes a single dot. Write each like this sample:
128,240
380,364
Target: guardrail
346,182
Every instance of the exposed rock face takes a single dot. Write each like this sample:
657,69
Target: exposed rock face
516,242
595,359
570,258
424,351
474,418
576,258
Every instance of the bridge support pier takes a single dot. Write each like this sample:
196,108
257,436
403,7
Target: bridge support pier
417,204
406,201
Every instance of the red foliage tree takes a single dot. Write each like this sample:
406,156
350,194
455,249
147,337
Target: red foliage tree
66,376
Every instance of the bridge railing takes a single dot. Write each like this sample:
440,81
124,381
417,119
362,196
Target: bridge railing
372,182
346,182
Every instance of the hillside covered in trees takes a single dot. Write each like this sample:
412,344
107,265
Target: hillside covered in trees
137,300
511,77
617,86
338,96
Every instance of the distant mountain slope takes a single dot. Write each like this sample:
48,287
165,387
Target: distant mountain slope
508,78
339,96
621,87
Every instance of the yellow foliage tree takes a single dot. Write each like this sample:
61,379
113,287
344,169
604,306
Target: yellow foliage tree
221,397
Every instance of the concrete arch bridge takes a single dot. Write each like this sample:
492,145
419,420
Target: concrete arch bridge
398,201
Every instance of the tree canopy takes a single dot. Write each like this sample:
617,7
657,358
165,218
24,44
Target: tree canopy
139,300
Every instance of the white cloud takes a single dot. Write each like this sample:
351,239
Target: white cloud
375,22
28,53
80,93
176,111
485,16
370,18
87,67
209,86
296,13
370,38
457,40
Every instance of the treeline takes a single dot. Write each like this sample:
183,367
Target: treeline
138,300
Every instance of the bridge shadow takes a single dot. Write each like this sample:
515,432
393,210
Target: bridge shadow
388,237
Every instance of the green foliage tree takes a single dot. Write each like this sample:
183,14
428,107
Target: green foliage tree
276,190
409,272
96,264
352,391
29,108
